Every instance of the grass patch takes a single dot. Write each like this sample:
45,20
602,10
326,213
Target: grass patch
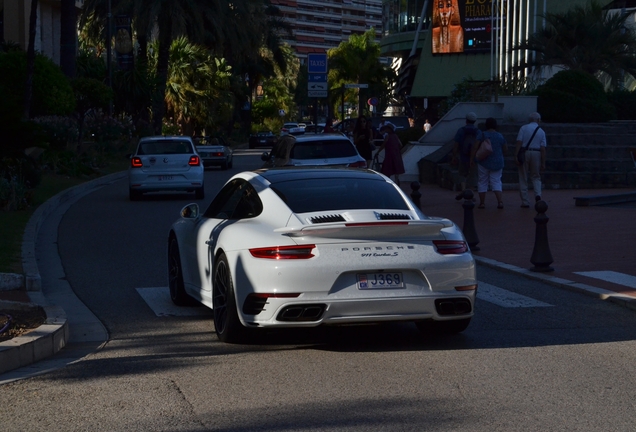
13,223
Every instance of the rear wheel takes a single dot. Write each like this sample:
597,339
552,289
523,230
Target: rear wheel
199,193
229,165
226,321
428,327
178,294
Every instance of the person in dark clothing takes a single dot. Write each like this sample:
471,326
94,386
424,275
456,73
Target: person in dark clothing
363,137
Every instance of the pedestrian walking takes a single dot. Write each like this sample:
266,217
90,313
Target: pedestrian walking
392,165
466,138
490,169
530,156
363,138
427,126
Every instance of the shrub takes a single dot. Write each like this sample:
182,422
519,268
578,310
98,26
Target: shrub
60,131
52,92
574,97
624,103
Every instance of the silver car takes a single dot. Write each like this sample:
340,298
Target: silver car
214,152
326,149
165,163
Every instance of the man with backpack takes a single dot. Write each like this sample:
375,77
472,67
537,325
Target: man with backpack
467,138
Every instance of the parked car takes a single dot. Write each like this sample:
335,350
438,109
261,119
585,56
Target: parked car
262,139
315,128
292,129
214,151
326,149
291,247
165,163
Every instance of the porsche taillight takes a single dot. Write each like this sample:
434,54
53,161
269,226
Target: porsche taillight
284,252
136,162
194,161
359,164
450,247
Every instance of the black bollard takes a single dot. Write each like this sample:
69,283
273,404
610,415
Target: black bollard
416,194
541,256
469,221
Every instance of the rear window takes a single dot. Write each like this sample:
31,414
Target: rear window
164,147
328,149
329,194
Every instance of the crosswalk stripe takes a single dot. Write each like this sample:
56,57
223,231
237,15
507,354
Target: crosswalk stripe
158,298
612,276
505,298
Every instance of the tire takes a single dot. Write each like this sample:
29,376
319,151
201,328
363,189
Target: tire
229,165
178,294
226,321
199,193
428,327
134,195
224,166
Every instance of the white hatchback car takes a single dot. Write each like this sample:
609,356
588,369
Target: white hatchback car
326,149
165,163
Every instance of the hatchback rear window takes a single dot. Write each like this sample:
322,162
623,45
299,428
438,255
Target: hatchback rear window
328,149
164,147
328,194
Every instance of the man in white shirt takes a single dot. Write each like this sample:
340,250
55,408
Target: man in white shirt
532,138
427,126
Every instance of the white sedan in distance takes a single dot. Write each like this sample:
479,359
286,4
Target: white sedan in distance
303,247
165,163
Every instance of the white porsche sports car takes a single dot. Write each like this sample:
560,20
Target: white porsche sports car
294,247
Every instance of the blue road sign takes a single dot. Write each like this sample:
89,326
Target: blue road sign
317,77
317,63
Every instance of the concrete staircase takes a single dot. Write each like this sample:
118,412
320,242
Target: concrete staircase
579,156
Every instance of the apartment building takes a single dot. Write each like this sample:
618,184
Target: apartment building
318,25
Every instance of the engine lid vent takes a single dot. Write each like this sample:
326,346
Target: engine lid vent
327,219
392,216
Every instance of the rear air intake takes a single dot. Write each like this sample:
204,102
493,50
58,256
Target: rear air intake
453,306
327,219
392,216
295,313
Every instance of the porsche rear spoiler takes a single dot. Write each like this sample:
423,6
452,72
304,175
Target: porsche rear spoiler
431,228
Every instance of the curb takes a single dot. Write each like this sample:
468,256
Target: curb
38,344
599,293
48,339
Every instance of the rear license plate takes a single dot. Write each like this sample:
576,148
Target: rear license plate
163,178
380,280
262,141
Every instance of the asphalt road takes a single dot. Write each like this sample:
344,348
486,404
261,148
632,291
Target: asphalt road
554,361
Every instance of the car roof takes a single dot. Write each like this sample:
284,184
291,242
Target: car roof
275,175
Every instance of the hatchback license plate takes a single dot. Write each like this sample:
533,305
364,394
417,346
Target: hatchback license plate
380,280
162,178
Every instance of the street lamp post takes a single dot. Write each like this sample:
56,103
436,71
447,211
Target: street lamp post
109,54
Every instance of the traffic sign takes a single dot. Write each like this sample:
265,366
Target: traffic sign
317,77
317,93
317,63
356,85
373,101
317,86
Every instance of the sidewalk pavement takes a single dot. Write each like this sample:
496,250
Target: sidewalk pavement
596,240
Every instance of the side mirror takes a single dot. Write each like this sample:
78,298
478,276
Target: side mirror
265,156
191,211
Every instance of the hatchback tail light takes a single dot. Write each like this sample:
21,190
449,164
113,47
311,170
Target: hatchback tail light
359,164
450,247
136,162
284,252
194,161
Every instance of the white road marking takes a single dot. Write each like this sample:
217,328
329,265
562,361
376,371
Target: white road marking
612,276
507,299
158,298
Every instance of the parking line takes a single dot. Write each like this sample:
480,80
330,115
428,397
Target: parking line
612,276
505,298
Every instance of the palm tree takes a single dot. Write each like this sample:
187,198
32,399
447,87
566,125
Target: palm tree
587,38
68,37
357,61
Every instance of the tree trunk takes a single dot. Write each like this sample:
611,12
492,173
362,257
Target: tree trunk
68,37
163,58
28,91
